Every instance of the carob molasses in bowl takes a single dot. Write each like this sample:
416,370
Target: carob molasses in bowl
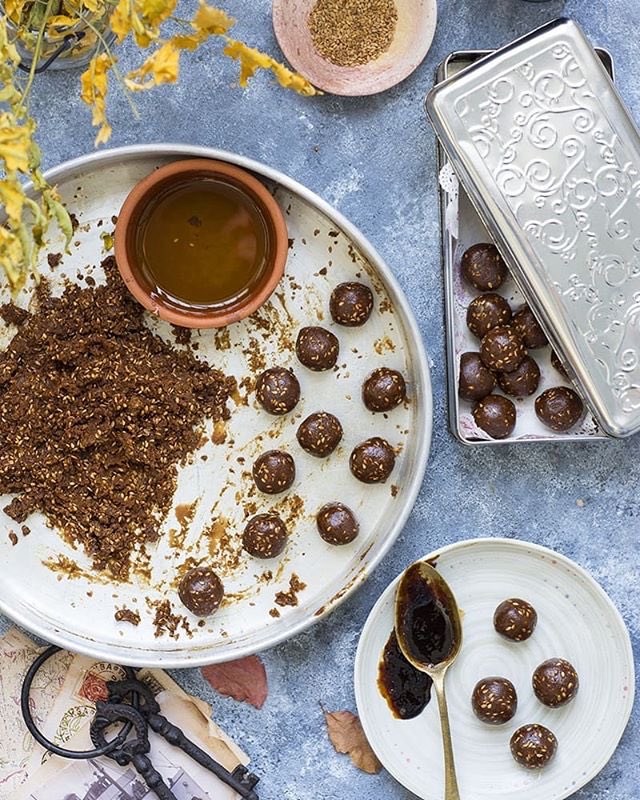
201,243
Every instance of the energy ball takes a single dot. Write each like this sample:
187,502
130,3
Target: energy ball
483,267
475,381
533,746
384,389
555,682
320,434
558,365
496,415
487,311
523,381
528,328
494,700
274,472
501,349
264,536
351,304
373,460
515,619
337,524
278,390
201,591
317,348
559,408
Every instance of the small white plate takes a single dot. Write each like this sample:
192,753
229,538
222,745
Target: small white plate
576,621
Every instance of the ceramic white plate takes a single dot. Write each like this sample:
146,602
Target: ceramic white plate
576,621
77,611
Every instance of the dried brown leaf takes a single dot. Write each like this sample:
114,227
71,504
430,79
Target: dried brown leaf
346,735
244,679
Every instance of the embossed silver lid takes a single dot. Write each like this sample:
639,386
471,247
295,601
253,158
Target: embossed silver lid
550,157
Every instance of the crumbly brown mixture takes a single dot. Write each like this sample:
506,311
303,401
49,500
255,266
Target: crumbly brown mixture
290,598
96,412
127,615
352,32
13,315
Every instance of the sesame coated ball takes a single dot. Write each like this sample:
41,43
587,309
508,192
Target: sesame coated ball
555,682
337,524
317,348
515,619
533,746
278,390
265,536
373,460
351,304
494,700
319,434
274,472
502,349
384,389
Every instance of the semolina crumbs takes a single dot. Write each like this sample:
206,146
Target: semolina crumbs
349,33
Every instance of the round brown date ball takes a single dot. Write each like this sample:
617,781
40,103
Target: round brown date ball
337,524
533,746
351,304
320,434
476,381
201,591
558,365
522,381
278,390
373,460
559,408
483,267
384,389
501,349
515,619
274,471
528,328
317,348
487,311
555,682
264,536
496,415
494,700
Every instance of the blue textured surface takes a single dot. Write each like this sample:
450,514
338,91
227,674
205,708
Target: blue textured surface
375,160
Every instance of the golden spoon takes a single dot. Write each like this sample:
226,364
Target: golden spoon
429,632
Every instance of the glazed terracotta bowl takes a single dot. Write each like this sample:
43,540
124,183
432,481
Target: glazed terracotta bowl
174,174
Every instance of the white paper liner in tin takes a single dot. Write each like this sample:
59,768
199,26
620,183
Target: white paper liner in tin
465,228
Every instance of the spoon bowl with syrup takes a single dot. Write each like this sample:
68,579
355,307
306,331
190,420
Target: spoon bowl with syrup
429,634
201,243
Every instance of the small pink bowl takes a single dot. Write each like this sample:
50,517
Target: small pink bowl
180,172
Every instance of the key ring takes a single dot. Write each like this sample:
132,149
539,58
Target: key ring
104,750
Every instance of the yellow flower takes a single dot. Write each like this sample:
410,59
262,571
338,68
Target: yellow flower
14,9
12,199
212,21
252,60
94,86
163,66
15,141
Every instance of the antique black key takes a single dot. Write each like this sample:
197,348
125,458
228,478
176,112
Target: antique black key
134,750
241,780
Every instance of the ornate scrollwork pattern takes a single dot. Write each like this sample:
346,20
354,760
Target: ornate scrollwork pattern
572,183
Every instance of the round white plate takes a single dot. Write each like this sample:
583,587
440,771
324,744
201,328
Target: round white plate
75,609
576,621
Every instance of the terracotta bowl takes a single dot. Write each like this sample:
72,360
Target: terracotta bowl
412,39
179,172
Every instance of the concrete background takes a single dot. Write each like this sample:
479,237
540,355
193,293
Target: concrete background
374,159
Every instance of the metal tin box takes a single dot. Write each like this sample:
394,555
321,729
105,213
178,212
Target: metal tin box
550,158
